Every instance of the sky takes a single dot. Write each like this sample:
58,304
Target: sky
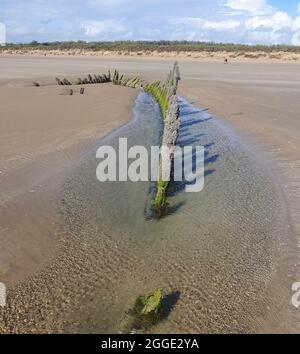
234,21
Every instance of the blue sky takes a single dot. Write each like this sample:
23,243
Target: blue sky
238,21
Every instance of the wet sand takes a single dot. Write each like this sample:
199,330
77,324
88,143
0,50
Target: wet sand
239,248
44,134
215,254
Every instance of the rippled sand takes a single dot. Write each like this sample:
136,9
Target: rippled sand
44,135
215,254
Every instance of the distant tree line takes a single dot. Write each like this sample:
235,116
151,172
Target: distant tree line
160,46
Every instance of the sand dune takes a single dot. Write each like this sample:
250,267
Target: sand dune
238,56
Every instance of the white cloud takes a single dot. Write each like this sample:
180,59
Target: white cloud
201,23
269,37
273,29
103,28
2,36
110,3
276,22
279,22
236,21
296,38
222,25
296,24
257,7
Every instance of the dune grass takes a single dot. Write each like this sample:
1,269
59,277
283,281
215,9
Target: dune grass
151,46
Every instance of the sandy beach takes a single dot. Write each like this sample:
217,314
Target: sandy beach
70,249
45,133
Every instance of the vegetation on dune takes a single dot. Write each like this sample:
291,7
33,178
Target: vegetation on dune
150,46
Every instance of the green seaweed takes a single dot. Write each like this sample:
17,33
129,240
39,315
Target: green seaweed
148,304
146,312
165,95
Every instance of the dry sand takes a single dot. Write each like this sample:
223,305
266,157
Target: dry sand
44,134
260,101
